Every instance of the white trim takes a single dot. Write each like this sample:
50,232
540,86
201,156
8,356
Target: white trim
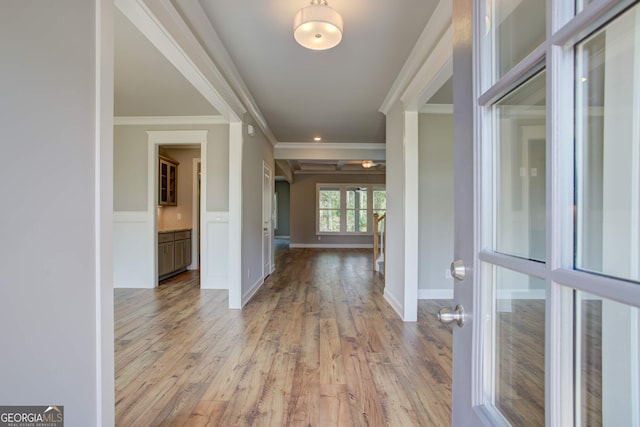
433,74
282,237
246,297
169,120
267,172
162,24
331,145
201,25
332,245
435,293
195,225
236,142
329,151
103,207
393,302
216,226
173,137
411,216
438,23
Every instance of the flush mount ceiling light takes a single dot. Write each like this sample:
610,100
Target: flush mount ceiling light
367,164
317,27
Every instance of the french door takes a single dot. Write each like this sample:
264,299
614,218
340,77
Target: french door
549,243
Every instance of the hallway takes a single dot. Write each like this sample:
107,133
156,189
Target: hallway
317,346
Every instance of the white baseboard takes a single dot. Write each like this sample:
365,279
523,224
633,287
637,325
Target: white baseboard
435,293
282,237
251,291
132,285
393,302
332,245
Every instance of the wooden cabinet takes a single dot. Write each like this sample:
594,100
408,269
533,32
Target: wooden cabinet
174,252
167,182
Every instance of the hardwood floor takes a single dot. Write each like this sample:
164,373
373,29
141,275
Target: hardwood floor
317,346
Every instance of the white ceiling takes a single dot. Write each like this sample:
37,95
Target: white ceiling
336,93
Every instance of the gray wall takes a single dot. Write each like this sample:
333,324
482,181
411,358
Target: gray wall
284,219
436,202
48,289
303,203
130,166
256,150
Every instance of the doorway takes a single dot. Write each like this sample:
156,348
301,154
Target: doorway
178,209
267,220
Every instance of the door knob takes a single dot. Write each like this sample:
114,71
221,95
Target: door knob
446,316
458,269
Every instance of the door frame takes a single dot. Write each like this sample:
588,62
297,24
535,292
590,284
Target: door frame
267,264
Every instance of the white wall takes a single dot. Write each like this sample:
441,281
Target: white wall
436,205
256,149
394,262
50,257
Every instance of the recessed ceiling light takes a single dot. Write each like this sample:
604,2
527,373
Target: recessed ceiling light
317,139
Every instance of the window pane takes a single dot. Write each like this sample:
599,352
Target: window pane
329,221
519,303
351,198
329,198
607,366
379,200
517,27
608,149
520,199
362,221
351,221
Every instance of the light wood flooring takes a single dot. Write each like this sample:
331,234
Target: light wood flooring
317,346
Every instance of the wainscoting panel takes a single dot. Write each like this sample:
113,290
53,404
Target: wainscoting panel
215,263
133,263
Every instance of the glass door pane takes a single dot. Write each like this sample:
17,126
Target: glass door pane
520,156
515,28
518,348
608,149
607,369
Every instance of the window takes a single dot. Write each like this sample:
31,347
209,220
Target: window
329,209
348,208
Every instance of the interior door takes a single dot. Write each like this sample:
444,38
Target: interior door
547,214
462,314
267,220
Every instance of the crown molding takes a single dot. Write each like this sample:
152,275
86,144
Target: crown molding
329,151
217,52
333,145
169,120
161,23
438,24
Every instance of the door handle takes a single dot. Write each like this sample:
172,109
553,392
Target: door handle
458,270
446,316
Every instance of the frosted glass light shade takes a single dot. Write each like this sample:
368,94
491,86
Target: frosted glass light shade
317,27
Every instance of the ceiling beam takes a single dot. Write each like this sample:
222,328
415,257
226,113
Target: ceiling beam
329,151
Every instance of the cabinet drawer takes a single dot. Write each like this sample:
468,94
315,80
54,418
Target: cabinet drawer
165,237
180,235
